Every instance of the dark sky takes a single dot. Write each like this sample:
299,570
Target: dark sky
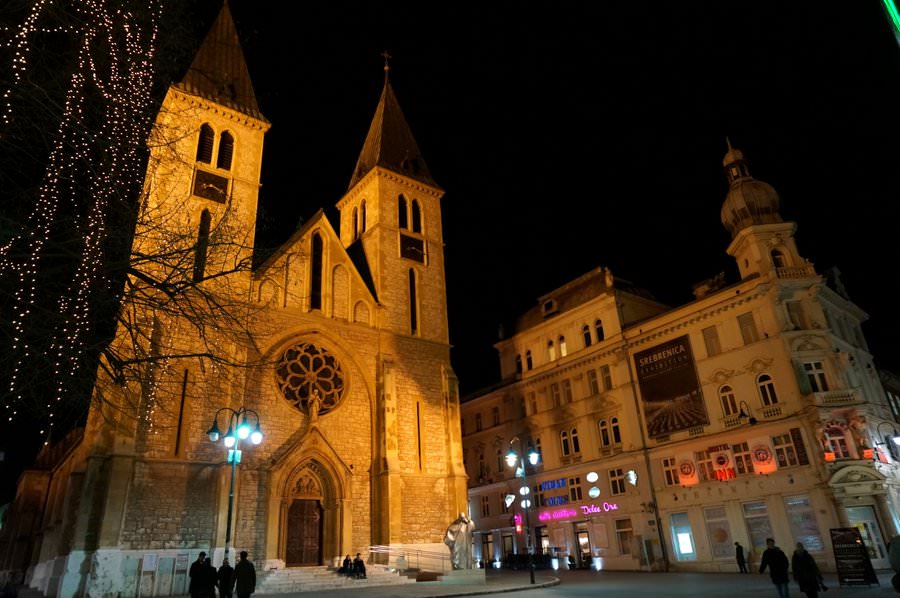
575,135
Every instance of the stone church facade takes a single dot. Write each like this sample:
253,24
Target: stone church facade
336,347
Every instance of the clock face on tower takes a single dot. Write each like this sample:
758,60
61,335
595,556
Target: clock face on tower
210,186
412,248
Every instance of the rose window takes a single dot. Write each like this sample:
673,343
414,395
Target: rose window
305,369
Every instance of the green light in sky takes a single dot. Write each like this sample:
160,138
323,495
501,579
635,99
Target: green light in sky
893,13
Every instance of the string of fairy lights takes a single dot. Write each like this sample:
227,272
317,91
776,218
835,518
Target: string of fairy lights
106,156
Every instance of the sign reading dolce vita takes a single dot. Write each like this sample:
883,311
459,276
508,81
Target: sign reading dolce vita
669,388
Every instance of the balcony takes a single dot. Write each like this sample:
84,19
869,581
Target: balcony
771,411
837,398
806,271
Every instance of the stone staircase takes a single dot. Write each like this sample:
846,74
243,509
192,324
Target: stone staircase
316,579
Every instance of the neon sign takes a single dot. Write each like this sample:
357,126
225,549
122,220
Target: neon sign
604,507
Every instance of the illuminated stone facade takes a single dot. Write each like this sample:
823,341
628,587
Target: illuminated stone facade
669,434
355,316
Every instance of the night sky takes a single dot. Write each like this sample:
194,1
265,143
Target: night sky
575,135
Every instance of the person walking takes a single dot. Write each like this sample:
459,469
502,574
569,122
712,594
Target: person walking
197,575
244,577
777,562
806,572
226,579
209,579
739,557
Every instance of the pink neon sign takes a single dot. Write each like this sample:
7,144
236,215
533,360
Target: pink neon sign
565,513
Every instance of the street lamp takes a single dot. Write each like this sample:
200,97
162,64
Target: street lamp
746,414
512,459
240,427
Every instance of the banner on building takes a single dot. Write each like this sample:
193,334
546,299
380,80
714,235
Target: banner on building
854,567
687,470
722,458
763,455
670,390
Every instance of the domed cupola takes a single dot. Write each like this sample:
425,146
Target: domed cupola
748,201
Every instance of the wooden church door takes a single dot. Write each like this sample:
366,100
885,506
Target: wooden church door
304,533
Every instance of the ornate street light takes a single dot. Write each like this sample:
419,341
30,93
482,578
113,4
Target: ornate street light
240,427
513,459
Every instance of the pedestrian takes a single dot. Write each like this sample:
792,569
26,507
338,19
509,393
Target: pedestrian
806,572
244,577
196,573
777,562
225,577
359,567
739,557
209,579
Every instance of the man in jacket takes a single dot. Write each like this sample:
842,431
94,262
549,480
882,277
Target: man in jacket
244,577
777,562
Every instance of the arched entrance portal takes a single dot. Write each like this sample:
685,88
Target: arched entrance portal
304,533
310,516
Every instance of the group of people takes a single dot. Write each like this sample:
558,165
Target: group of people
205,579
355,568
806,571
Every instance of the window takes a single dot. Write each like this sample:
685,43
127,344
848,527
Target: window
482,467
315,283
575,489
593,382
802,519
503,507
478,422
836,440
756,516
815,373
563,350
711,339
485,506
719,531
624,535
226,151
748,328
598,326
705,469
606,376
726,396
537,446
362,217
538,495
614,428
402,218
518,364
416,217
796,315
551,351
202,248
501,461
205,144
495,416
555,394
778,259
532,400
567,390
487,548
682,537
789,449
743,461
576,448
670,471
413,308
616,481
766,387
564,443
605,438
586,335
528,363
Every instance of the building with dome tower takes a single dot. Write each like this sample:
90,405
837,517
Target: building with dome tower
667,434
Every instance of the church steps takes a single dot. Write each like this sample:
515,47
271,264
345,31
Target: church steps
310,579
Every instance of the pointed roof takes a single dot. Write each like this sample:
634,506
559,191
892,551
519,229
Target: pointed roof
219,72
390,143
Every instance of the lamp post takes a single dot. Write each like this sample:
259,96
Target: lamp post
240,427
746,414
512,459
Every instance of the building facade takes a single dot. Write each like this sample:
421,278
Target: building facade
335,348
668,434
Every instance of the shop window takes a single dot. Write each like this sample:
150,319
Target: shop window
682,537
487,548
756,518
802,519
719,531
624,536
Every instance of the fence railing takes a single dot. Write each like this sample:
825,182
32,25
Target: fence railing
410,557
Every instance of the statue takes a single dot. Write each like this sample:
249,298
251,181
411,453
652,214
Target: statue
315,403
459,538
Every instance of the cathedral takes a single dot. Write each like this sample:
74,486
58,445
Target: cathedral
325,369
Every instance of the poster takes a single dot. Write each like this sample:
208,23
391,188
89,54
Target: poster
852,558
670,389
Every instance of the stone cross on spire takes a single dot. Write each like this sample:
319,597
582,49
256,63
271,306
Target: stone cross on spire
387,67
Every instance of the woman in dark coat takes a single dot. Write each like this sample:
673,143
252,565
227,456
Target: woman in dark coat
806,572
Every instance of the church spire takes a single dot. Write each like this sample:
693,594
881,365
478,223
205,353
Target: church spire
219,72
390,143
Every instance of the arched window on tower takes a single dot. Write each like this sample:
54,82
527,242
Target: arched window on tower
766,387
413,312
205,144
563,350
598,326
402,217
529,363
729,404
778,259
362,217
226,151
355,224
416,217
202,246
315,279
586,334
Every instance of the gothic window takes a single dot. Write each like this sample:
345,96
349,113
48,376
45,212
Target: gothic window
413,311
598,326
564,443
362,217
766,387
226,151
306,368
729,404
586,334
355,225
315,282
202,247
529,364
563,350
205,144
416,217
402,218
